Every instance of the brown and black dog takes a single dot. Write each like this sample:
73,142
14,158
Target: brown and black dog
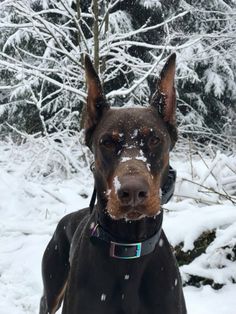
116,259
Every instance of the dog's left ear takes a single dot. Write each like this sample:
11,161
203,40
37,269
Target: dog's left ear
96,102
164,98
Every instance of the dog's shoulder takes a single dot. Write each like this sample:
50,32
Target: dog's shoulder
69,223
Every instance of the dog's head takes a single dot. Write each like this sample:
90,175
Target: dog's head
131,146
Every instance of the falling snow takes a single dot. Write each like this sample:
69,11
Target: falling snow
29,219
103,297
116,184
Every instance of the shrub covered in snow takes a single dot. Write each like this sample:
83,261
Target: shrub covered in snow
41,65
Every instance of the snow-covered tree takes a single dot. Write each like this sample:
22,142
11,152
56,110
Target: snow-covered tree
41,63
42,50
207,69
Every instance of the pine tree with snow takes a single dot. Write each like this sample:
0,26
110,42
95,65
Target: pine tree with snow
42,77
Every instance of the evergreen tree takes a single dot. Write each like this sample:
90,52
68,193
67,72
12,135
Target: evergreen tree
206,69
41,64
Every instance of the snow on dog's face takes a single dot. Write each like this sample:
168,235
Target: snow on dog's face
131,147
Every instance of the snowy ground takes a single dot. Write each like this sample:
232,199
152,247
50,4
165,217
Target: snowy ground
31,205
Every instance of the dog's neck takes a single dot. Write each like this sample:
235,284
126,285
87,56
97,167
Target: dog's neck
129,231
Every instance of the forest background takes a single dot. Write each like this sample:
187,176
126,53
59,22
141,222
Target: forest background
42,45
44,164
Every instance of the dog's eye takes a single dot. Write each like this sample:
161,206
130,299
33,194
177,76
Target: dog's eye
153,141
108,143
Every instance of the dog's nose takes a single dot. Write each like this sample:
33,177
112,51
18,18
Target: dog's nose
133,190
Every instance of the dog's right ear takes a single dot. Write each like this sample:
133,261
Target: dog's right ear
96,102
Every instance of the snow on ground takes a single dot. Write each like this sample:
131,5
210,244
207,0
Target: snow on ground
32,204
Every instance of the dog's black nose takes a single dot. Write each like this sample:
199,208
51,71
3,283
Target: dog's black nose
133,190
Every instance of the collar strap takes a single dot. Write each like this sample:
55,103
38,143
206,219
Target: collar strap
169,186
123,250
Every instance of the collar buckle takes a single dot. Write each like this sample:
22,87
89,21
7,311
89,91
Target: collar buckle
125,250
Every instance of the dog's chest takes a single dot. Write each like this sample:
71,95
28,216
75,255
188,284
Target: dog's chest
113,291
103,285
117,286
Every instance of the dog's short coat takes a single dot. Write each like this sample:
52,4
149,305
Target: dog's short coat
117,260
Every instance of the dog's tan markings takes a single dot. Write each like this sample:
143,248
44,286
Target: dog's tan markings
116,135
112,203
58,300
145,131
153,205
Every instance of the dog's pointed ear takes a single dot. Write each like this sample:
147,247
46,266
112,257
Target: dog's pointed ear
96,102
164,98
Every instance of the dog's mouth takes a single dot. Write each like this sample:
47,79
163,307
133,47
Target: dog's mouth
128,216
134,215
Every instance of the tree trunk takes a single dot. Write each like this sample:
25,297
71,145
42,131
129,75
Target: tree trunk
78,17
103,66
95,9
